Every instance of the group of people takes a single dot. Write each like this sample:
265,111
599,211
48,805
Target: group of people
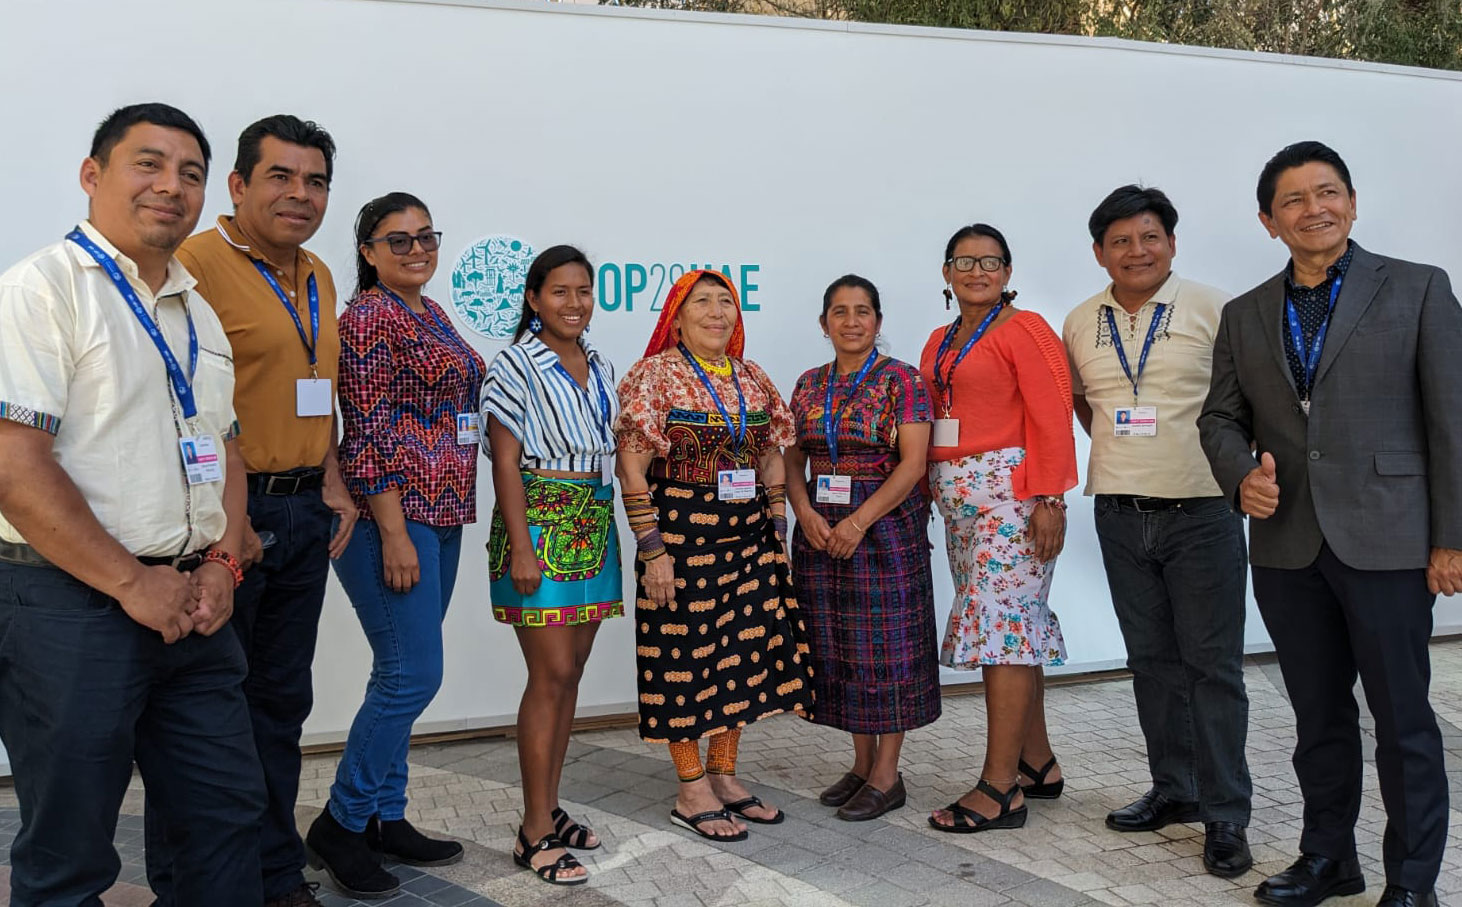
126,547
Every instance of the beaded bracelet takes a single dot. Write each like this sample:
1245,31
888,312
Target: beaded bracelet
219,556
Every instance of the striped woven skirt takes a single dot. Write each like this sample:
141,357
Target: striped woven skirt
870,619
575,538
730,649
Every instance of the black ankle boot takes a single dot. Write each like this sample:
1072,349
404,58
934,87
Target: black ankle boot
346,857
400,841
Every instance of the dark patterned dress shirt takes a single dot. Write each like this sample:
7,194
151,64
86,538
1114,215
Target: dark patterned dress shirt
1311,304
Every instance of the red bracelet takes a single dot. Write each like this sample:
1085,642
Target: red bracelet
219,556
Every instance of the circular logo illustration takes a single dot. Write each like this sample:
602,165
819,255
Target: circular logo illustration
487,284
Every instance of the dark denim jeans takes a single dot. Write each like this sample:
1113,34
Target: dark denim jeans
405,633
276,619
1177,579
85,691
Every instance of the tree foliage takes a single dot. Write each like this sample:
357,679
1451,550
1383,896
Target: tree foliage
1410,32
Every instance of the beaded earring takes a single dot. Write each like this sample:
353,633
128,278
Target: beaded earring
535,324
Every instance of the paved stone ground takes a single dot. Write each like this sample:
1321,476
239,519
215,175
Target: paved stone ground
1064,857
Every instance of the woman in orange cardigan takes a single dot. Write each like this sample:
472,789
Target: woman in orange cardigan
1001,456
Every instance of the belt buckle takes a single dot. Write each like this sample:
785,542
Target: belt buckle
187,563
1137,504
270,488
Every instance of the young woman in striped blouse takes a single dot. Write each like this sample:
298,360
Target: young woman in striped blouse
549,403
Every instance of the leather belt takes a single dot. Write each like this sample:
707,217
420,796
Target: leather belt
284,483
1143,504
25,555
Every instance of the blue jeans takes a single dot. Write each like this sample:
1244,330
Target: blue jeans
85,691
1177,580
405,633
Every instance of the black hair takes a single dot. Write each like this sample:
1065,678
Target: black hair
370,217
546,263
855,282
110,131
286,128
1130,201
1297,155
988,232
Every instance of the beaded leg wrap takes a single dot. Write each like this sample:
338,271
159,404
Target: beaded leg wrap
721,753
686,754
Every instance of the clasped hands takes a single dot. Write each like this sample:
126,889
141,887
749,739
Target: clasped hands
176,604
838,541
1259,498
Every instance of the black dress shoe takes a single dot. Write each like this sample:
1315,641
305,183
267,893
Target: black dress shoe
1150,812
1396,896
1226,849
1310,880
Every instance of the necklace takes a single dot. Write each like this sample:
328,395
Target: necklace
723,368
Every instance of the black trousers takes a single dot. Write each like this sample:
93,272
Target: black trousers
85,691
276,621
1330,622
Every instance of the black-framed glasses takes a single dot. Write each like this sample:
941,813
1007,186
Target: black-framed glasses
401,243
968,262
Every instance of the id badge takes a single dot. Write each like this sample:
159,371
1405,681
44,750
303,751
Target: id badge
606,469
468,429
200,459
1136,422
313,397
736,484
946,433
834,489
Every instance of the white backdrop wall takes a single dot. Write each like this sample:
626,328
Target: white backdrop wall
793,151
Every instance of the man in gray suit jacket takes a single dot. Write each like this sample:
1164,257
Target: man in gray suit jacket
1334,420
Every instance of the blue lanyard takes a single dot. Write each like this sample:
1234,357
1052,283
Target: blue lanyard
944,381
831,418
182,384
1310,359
314,295
738,434
1157,314
599,384
442,333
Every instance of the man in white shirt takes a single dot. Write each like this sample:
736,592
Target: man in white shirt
1141,353
118,555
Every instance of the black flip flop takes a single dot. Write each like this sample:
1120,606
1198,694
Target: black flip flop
693,823
741,806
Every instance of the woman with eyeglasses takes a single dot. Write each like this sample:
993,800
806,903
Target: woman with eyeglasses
1002,455
408,400
553,556
860,551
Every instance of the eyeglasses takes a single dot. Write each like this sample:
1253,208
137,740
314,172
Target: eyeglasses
400,243
968,262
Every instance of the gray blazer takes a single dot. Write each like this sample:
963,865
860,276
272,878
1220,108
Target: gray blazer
1375,469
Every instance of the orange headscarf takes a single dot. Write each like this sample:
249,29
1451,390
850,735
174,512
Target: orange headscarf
666,336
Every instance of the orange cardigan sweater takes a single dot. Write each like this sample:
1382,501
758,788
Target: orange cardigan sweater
1012,390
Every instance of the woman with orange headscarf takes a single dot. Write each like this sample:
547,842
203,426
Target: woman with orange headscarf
720,642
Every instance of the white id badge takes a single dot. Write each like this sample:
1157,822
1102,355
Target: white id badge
606,469
946,433
1136,422
200,459
312,397
468,429
736,484
834,489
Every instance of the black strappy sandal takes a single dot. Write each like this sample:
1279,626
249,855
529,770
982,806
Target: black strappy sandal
550,872
572,833
967,821
1039,789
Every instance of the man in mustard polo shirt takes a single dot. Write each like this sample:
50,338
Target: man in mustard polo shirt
277,302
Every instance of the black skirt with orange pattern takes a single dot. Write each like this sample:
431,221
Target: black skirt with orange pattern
731,648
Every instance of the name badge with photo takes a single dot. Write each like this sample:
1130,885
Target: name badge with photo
834,489
946,433
736,484
468,429
313,397
200,459
1136,422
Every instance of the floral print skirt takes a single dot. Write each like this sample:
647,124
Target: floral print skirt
1000,615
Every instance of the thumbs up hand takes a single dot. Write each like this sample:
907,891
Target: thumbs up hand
1259,491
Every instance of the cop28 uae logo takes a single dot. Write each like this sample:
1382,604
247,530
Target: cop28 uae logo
487,284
